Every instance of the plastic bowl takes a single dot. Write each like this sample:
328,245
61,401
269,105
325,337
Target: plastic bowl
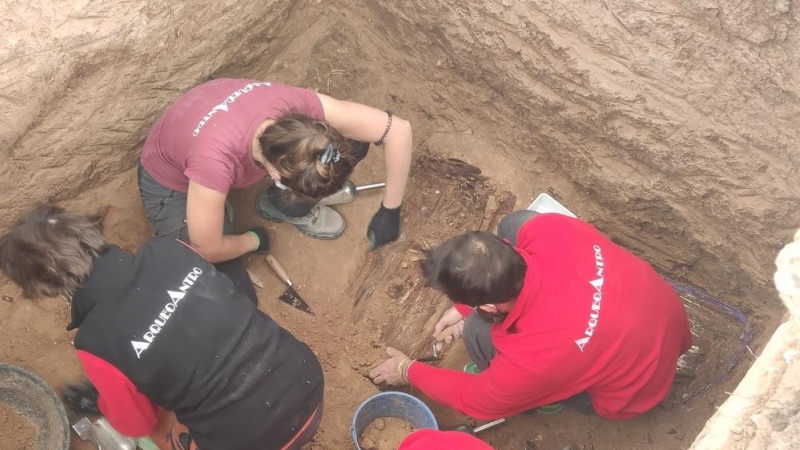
391,404
33,399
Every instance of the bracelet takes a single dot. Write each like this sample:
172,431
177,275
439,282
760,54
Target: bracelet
402,369
258,239
388,126
408,367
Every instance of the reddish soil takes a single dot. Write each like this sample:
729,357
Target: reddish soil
349,338
18,433
384,434
364,300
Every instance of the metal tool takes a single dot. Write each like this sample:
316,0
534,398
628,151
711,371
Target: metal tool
435,356
290,295
353,190
367,187
464,428
102,435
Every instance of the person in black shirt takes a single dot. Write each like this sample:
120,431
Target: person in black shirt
174,350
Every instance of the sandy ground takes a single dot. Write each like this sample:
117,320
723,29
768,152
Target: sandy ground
384,434
339,62
35,336
18,432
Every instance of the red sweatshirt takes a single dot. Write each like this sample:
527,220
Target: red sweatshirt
127,409
590,317
429,439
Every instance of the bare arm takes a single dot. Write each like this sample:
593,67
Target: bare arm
205,213
367,124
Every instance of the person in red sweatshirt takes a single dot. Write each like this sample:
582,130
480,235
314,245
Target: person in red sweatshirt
561,315
430,439
174,351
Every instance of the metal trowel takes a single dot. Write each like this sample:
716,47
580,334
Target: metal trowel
464,428
438,341
290,295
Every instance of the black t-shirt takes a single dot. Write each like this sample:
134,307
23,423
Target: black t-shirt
192,344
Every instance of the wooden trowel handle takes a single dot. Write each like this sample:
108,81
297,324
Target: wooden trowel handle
279,270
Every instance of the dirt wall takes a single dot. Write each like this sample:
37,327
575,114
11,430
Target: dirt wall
674,124
671,126
81,82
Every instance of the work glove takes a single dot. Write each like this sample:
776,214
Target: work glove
263,240
384,227
81,397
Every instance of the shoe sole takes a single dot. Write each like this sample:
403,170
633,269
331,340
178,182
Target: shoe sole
307,233
548,410
316,236
465,370
269,219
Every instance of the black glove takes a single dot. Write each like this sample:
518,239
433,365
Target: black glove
81,397
263,239
384,227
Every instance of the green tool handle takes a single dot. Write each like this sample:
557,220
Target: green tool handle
279,270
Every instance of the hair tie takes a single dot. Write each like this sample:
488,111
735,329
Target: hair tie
330,155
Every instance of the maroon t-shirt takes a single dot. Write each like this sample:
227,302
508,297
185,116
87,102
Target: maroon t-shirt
207,134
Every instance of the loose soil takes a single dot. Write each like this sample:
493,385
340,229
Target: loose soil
367,300
18,433
384,434
446,197
476,160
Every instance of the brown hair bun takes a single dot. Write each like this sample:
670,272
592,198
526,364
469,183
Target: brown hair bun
312,157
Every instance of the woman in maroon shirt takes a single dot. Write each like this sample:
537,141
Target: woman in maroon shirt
231,133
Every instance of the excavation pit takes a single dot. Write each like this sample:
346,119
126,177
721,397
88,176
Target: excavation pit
673,130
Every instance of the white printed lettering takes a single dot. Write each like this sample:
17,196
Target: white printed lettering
139,347
161,320
597,298
581,342
225,104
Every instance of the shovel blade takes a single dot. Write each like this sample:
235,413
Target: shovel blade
292,298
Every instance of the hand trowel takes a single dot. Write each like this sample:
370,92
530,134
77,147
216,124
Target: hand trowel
290,295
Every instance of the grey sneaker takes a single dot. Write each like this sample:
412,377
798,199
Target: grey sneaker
344,195
322,222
